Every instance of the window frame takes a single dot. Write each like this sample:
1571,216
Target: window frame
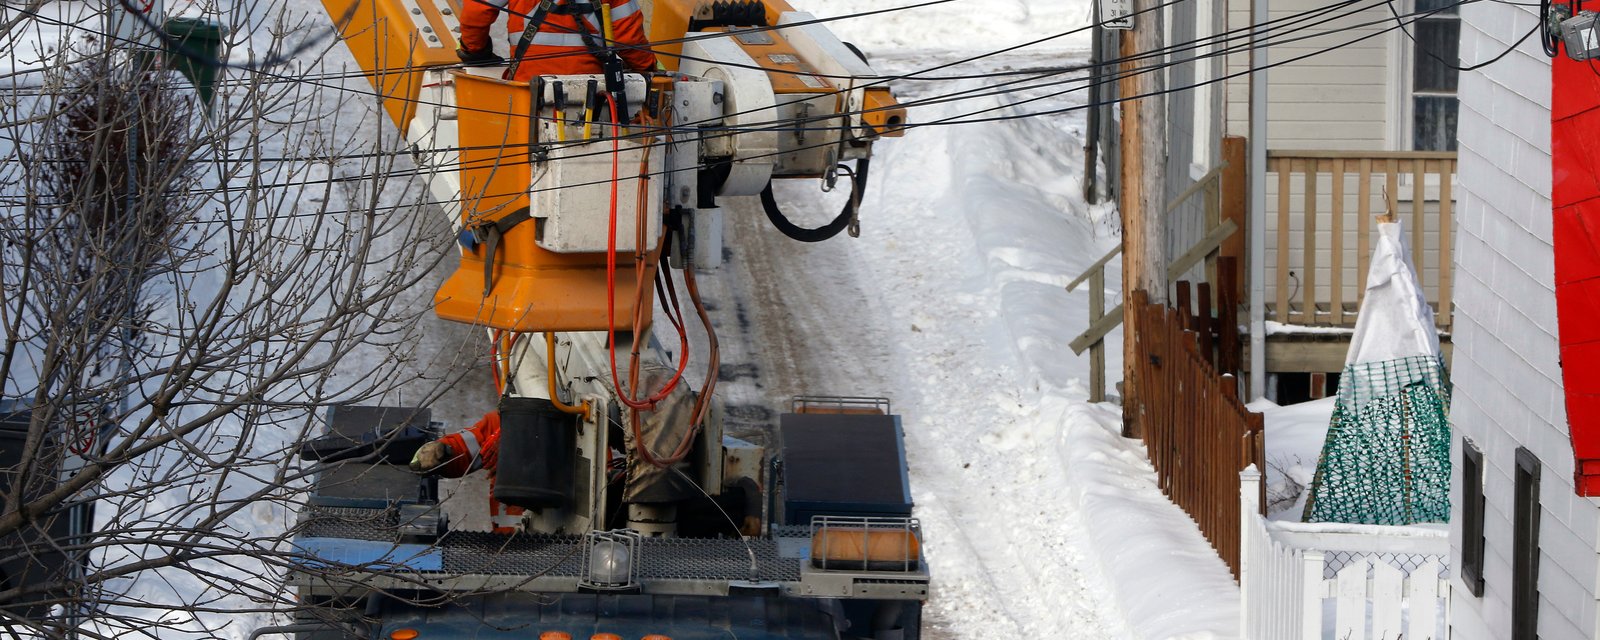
1402,82
1473,504
1401,99
1525,515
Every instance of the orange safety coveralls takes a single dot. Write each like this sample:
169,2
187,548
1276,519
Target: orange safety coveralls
477,448
557,49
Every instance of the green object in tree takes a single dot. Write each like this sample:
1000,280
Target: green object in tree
192,48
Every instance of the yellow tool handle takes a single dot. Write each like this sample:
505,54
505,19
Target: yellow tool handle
605,20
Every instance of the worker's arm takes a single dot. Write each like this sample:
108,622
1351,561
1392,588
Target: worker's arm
627,28
463,452
476,17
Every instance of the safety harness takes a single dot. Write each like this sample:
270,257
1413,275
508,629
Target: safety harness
588,36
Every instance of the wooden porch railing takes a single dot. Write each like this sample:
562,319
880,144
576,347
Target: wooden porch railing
1324,207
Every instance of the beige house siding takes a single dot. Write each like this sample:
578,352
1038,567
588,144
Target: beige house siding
1336,100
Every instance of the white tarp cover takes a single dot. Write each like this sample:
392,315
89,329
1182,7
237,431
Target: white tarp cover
1395,320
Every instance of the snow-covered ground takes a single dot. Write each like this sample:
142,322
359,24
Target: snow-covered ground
1040,520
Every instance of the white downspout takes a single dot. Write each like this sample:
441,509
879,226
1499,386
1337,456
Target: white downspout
1258,203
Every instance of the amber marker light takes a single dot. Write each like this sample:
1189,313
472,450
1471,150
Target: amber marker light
555,635
403,634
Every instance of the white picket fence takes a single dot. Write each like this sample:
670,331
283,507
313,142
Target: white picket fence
1338,582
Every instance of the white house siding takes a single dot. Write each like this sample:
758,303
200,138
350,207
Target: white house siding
1506,367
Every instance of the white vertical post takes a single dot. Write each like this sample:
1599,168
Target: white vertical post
1258,202
1311,595
1249,507
1350,601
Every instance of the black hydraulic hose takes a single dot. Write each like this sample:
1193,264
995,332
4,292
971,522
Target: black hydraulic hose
858,188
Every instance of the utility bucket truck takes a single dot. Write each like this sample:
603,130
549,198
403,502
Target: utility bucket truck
580,202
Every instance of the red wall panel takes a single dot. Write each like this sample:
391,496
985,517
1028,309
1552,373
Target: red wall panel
1575,197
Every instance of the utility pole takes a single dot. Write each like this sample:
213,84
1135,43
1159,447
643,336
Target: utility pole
1091,151
1144,157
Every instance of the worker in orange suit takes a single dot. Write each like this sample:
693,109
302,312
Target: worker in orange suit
463,452
558,46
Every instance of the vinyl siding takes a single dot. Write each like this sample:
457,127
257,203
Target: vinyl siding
1317,99
1506,366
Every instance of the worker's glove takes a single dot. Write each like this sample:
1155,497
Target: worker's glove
430,457
484,58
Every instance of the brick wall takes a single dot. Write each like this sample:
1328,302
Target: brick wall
1506,366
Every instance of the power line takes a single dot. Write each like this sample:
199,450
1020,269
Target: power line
975,92
959,119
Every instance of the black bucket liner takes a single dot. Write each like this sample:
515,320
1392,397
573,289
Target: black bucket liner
537,450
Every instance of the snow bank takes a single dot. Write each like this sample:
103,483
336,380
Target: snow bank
1040,519
1168,582
1294,442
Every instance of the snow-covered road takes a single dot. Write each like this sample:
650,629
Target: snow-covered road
1039,520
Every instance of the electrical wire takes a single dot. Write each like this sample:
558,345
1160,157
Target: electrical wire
1547,39
1455,64
976,91
961,119
639,247
934,100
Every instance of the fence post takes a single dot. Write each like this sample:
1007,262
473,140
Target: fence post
1235,202
1228,315
1207,323
1249,479
1311,594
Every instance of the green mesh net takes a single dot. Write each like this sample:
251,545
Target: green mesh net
1387,456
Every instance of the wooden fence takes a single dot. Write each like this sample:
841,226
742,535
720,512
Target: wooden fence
1321,223
1198,434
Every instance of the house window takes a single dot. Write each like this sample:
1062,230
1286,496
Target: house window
1525,549
1435,47
1472,504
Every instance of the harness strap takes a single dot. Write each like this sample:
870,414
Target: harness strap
535,22
489,233
610,62
588,12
